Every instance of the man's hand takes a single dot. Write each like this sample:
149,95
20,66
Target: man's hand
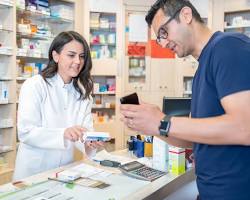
144,118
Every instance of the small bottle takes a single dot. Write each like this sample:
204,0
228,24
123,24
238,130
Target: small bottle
101,117
130,145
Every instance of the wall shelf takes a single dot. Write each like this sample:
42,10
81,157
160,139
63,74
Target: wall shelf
105,93
6,151
235,27
3,6
34,36
6,30
42,17
5,54
6,79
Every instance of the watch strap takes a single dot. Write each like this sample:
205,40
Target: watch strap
165,125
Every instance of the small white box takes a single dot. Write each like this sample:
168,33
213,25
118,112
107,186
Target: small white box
68,175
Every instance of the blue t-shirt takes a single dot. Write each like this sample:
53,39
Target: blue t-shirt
223,171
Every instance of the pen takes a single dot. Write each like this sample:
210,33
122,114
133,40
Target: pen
62,181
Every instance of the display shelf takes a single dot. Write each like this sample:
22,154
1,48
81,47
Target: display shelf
33,36
6,127
3,102
103,29
237,21
6,54
102,35
104,107
6,151
6,30
4,6
41,17
238,26
105,93
6,79
21,78
11,17
32,58
36,30
97,44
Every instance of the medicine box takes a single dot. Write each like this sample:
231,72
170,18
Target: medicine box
176,160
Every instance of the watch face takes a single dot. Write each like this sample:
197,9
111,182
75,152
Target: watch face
164,127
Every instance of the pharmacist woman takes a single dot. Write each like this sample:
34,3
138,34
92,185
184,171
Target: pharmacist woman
55,109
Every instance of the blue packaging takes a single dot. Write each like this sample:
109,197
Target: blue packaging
139,148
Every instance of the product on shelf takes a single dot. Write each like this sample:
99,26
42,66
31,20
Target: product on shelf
103,35
4,91
62,11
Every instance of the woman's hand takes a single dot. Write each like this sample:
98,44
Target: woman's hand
93,144
75,133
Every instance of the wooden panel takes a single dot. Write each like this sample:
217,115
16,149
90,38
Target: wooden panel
104,67
239,5
6,176
162,74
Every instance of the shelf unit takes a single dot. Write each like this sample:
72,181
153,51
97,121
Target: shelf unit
102,28
185,71
35,32
7,96
32,32
102,35
237,21
104,99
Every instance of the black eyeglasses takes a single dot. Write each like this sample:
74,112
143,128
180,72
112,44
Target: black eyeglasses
162,32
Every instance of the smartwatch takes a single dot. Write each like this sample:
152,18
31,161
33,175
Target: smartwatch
165,126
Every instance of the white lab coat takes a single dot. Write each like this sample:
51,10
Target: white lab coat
44,112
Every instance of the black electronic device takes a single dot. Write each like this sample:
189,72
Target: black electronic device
140,171
173,106
110,163
130,99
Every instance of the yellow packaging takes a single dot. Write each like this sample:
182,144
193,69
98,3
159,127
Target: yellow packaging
27,70
148,149
176,160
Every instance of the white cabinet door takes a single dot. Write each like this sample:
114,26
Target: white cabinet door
162,75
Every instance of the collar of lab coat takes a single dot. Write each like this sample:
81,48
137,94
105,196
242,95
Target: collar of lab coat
59,81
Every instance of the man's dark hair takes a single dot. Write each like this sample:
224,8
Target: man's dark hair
170,7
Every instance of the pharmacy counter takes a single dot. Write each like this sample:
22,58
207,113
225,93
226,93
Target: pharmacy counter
121,186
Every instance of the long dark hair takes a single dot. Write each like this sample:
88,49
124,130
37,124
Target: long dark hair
83,79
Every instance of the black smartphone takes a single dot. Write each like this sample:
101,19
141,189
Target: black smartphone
130,99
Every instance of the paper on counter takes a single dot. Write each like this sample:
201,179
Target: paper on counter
86,170
104,155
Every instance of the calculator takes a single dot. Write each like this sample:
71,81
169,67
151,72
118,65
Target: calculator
141,171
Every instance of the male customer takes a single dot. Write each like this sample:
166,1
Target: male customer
219,128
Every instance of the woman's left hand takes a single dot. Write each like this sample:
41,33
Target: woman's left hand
94,144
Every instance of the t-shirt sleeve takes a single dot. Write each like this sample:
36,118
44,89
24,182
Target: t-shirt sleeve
231,68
